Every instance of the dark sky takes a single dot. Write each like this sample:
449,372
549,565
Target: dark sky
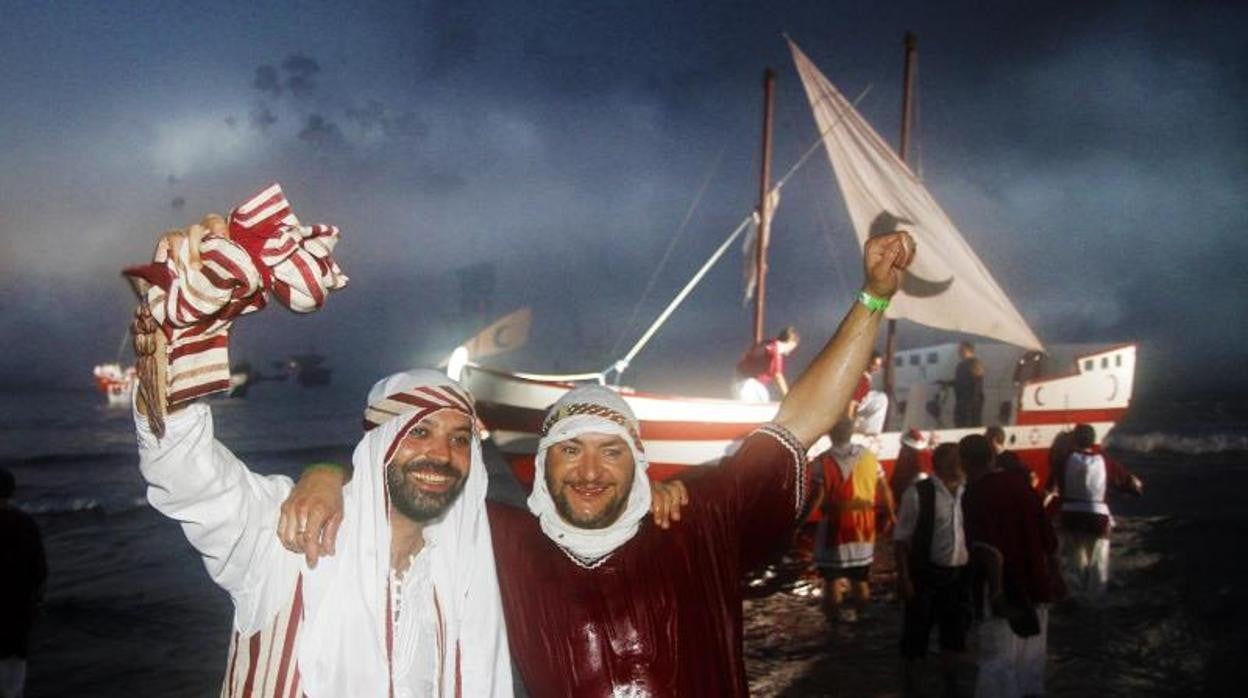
1094,154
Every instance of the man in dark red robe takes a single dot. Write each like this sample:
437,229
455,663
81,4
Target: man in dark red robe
1014,547
598,601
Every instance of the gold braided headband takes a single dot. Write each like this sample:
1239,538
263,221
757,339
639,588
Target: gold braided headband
593,410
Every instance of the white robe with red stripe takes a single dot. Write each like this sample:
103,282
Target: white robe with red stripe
326,631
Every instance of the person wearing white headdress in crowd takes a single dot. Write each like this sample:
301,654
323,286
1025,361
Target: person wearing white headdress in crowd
409,605
599,602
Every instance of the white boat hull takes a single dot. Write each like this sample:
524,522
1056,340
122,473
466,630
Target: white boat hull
683,432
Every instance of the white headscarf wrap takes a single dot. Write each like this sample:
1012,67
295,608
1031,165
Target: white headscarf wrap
343,649
590,409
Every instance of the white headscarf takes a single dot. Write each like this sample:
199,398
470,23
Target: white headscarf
343,647
590,409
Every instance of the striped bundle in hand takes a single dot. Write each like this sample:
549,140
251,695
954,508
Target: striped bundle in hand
200,280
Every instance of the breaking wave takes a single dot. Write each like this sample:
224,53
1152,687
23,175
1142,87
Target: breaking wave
82,505
1155,441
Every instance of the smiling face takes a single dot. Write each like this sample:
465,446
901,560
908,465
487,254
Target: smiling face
430,465
589,478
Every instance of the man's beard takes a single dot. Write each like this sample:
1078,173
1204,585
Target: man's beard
415,503
602,519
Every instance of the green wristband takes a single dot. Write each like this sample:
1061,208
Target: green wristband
874,303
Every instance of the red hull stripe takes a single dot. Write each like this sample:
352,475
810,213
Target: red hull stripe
1036,418
511,418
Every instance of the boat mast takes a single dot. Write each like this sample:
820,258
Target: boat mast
903,147
760,244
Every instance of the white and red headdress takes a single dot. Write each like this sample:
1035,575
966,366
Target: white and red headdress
590,409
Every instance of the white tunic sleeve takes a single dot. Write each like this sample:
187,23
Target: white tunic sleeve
228,513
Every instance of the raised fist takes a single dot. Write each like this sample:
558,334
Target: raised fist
885,259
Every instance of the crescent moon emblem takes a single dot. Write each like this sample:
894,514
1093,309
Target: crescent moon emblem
500,338
911,284
1113,391
1039,402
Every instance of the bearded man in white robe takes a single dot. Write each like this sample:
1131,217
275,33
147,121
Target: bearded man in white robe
409,605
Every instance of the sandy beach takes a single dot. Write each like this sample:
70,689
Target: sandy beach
1168,627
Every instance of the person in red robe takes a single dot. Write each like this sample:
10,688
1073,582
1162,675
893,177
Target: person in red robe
598,600
1014,550
914,462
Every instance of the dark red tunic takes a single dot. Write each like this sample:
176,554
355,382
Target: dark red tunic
662,615
1001,510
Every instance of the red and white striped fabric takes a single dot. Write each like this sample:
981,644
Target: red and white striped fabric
419,399
266,249
264,663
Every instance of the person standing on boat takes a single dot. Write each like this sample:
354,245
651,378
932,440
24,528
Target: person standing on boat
599,602
847,480
932,577
23,572
1013,549
869,407
968,388
763,366
1082,483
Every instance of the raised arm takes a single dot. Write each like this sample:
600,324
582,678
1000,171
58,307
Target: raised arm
227,512
821,394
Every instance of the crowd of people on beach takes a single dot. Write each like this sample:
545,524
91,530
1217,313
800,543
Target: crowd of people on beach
982,548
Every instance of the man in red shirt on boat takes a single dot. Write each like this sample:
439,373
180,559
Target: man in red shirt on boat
763,365
1082,482
600,602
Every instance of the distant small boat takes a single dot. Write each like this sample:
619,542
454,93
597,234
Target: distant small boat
116,383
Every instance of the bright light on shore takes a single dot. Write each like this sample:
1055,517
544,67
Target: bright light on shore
455,365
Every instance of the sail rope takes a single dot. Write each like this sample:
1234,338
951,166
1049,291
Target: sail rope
623,363
671,245
620,365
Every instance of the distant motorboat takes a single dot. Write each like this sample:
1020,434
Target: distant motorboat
309,370
116,383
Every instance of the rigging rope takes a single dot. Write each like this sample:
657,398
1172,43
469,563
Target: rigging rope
620,365
671,245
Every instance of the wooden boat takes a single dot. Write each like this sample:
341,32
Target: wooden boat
1083,383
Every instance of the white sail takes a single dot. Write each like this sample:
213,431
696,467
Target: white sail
947,287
